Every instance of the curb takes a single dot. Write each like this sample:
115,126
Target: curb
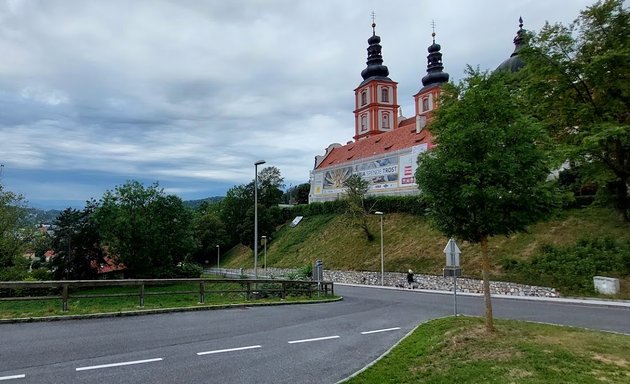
142,312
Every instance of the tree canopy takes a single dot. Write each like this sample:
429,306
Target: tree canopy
487,175
150,231
12,244
237,209
77,244
576,81
356,188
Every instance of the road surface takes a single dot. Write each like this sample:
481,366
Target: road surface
312,343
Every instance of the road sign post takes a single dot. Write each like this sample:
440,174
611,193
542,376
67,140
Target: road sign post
318,274
452,253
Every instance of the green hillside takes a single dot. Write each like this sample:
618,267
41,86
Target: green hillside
409,242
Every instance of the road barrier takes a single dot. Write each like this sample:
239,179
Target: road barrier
71,289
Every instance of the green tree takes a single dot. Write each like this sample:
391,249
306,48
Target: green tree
237,209
149,231
270,184
12,236
238,200
356,188
302,192
297,194
77,244
486,177
577,82
209,231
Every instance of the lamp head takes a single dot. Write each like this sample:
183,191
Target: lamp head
259,162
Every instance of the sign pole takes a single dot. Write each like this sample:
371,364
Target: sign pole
452,253
455,290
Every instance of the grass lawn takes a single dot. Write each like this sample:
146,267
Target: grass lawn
459,350
77,306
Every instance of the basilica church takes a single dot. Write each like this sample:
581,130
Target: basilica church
385,144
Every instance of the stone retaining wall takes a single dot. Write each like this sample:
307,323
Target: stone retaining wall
396,279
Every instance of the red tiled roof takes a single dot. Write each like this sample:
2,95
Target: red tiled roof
110,265
403,137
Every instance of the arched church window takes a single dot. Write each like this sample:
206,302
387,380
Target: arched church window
385,95
425,104
363,98
363,123
385,123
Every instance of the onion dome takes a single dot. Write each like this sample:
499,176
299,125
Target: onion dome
514,62
375,67
435,73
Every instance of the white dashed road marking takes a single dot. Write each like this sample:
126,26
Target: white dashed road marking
119,364
12,377
380,330
316,339
228,350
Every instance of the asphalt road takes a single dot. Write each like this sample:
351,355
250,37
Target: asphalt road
313,343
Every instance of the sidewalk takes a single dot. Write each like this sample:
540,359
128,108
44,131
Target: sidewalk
574,300
393,280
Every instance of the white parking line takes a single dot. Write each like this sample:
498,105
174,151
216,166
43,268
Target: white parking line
119,364
317,339
12,377
228,350
380,330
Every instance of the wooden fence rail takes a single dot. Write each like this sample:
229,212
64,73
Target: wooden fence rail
252,288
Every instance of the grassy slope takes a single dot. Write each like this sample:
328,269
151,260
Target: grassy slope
411,243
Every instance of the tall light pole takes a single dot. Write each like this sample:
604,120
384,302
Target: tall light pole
256,164
218,259
265,243
382,258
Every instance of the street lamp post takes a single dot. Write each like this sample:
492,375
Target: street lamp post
218,259
382,258
264,238
256,164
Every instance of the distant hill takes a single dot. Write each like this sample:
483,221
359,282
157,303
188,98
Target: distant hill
36,216
195,203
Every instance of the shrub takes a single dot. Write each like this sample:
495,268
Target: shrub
188,270
571,269
403,204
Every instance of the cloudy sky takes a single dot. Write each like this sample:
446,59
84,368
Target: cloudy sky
191,93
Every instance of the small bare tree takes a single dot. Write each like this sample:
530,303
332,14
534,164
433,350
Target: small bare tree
356,188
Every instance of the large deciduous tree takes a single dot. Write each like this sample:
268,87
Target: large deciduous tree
237,209
209,231
270,184
577,82
149,231
486,177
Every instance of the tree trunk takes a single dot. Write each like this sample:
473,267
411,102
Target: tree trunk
485,271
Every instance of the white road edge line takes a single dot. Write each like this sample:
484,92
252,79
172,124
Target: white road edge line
228,350
316,339
119,364
380,330
12,377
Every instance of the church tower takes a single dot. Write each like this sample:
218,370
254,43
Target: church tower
376,98
425,99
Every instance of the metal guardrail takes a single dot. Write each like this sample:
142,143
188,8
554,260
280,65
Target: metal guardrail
252,288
